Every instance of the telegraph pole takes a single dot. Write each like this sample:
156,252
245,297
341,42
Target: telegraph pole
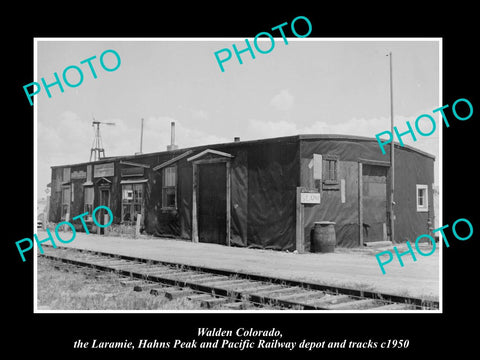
392,160
141,137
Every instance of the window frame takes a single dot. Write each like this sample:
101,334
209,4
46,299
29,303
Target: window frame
65,201
424,206
89,217
166,188
132,203
327,182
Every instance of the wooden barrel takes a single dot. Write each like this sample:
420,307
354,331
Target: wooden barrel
324,239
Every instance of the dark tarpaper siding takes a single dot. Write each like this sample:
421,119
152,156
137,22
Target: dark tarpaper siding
55,195
273,170
411,169
77,205
239,204
345,215
264,177
162,222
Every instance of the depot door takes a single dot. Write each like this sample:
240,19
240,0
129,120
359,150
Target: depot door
374,191
105,201
212,203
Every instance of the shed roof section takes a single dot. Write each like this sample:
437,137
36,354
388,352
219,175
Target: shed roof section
302,137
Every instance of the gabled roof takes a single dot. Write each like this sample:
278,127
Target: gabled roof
209,151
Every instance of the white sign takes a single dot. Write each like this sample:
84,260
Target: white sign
310,198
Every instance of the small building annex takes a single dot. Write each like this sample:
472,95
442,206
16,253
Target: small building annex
248,193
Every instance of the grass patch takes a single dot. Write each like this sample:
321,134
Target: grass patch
61,290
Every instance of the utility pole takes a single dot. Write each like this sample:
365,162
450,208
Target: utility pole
392,160
141,137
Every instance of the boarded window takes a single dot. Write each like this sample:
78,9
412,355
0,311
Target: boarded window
330,172
422,198
169,188
132,202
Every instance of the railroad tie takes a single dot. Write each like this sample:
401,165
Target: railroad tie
260,287
175,293
396,306
299,296
212,302
158,270
128,282
354,305
128,265
175,275
158,290
278,292
202,278
237,305
224,282
328,300
144,286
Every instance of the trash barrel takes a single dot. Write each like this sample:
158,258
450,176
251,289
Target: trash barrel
324,239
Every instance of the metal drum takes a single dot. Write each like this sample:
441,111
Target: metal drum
324,239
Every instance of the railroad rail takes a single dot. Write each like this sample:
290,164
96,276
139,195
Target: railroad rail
215,288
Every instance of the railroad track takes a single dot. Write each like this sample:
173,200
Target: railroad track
215,288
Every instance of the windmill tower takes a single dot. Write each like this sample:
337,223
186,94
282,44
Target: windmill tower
97,151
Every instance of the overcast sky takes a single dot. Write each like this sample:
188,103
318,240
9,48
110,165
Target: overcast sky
310,86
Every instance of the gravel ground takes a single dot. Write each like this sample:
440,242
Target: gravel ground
354,268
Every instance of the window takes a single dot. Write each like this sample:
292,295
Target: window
330,172
422,198
88,202
132,202
169,188
65,201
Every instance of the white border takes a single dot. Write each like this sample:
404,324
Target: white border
336,39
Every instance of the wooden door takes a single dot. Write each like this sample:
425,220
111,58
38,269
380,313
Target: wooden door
212,203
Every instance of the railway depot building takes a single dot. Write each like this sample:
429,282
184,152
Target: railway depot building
264,193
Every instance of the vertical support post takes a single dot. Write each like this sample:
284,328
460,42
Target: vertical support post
227,169
299,225
106,218
67,218
46,213
392,160
137,225
194,204
360,202
141,137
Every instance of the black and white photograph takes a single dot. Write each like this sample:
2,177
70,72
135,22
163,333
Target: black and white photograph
288,182
260,187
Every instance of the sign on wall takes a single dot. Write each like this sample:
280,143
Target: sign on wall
103,170
78,175
310,197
